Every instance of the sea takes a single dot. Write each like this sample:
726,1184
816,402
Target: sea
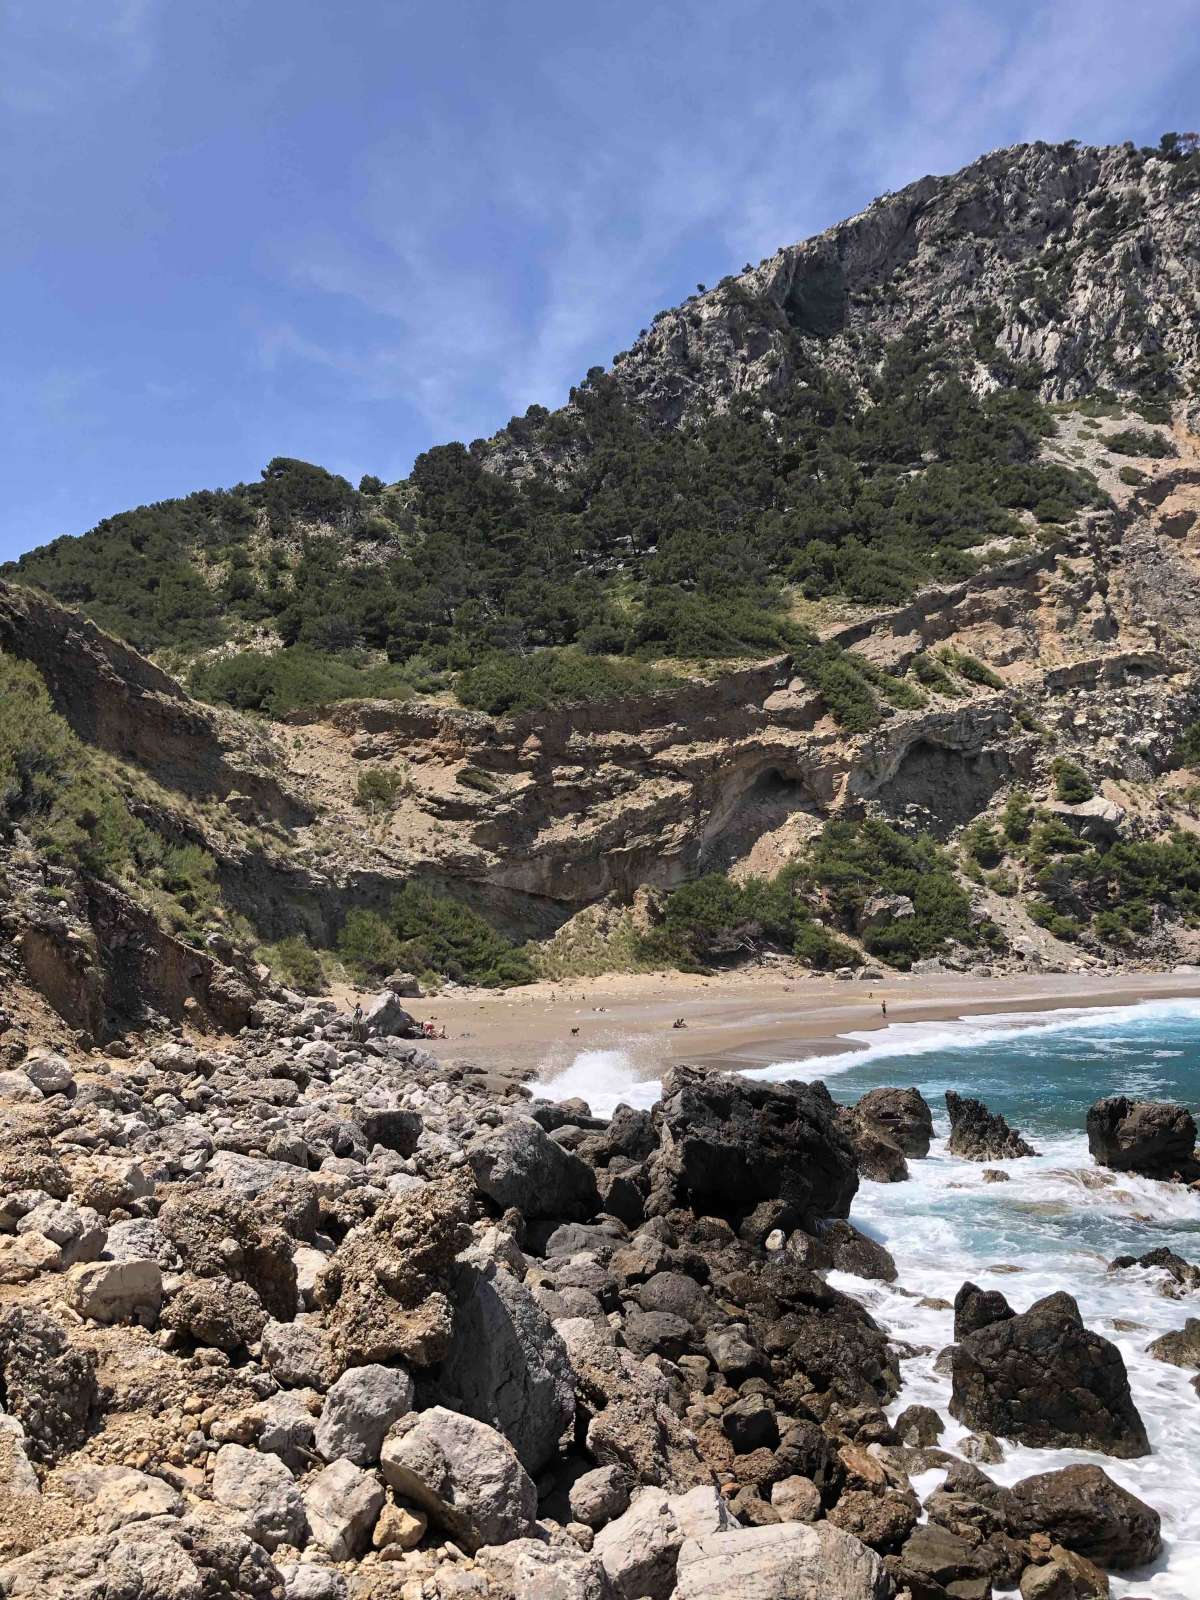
1047,1229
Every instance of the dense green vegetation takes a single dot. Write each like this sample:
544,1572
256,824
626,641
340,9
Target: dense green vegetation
286,680
805,907
426,932
58,792
1137,442
653,545
1071,783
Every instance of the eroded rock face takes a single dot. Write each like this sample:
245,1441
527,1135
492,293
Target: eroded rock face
977,1134
727,1145
1150,1137
1044,1379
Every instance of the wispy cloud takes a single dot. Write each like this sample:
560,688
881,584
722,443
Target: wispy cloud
56,52
713,133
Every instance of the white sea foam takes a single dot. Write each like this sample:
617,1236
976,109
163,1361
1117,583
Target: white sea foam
944,1226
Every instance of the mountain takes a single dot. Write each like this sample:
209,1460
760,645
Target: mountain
871,573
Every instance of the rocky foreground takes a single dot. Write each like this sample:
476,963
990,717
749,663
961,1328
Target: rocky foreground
315,1317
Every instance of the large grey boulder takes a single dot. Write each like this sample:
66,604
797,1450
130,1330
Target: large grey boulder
507,1366
116,1291
540,1571
783,1561
116,1496
263,1491
342,1503
358,1411
385,1018
639,1550
518,1164
465,1475
78,1231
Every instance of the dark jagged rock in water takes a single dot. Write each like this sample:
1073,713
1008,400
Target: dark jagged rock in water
878,1157
726,1145
1181,1275
901,1116
977,1134
1150,1137
1180,1347
976,1308
853,1251
1082,1508
1044,1379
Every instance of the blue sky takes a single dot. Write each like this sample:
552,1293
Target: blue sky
245,228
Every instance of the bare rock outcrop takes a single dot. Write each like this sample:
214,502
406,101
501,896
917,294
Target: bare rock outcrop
1150,1137
977,1134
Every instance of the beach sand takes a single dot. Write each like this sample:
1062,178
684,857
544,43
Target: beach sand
743,1018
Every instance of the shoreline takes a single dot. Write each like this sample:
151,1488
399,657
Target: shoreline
740,1020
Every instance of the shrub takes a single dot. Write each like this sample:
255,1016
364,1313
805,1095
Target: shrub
934,676
287,680
1132,476
379,789
503,684
297,965
423,930
983,843
1017,817
970,668
1187,750
1137,442
1071,783
368,945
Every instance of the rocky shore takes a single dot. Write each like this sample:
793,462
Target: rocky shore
315,1316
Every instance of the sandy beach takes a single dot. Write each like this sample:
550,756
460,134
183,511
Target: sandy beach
744,1018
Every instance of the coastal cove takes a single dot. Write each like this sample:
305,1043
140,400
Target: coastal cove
1056,1224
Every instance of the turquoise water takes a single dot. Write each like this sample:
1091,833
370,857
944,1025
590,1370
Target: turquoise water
1055,1225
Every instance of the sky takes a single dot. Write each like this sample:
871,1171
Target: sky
348,231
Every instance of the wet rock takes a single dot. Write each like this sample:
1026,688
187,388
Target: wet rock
977,1134
1082,1508
639,1551
262,1490
341,1503
935,1564
919,1426
1150,1137
1044,1379
977,1308
853,1251
1180,1347
358,1411
1065,1576
465,1475
727,1145
790,1561
1181,1276
901,1116
506,1365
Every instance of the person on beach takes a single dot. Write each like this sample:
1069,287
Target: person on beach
358,1028
883,1007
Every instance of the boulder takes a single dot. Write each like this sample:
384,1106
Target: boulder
919,1427
78,1231
936,1564
518,1164
49,1385
853,1251
1153,1138
727,1144
640,1549
901,1116
1181,1277
465,1475
978,1308
542,1571
1044,1379
385,1018
785,1561
341,1503
1180,1347
1082,1508
598,1496
116,1496
358,1411
506,1365
262,1490
977,1134
298,1353
1064,1576
116,1291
